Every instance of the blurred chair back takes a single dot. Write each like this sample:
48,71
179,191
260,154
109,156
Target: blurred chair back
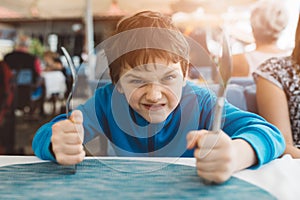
234,95
241,92
249,86
250,94
24,77
24,88
242,81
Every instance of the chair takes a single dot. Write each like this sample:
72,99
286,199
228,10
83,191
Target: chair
250,94
203,73
27,94
249,91
24,88
242,81
234,94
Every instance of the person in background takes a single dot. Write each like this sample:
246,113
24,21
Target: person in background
204,71
150,109
19,59
268,19
278,95
7,115
52,62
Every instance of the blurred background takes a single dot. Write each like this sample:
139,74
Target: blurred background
81,25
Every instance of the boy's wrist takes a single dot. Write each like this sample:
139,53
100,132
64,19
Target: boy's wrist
243,154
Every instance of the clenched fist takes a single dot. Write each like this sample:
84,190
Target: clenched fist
67,139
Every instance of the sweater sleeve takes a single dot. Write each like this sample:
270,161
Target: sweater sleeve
266,140
42,140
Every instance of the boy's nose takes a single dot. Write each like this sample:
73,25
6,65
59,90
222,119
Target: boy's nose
153,92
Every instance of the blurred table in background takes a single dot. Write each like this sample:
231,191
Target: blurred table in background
55,84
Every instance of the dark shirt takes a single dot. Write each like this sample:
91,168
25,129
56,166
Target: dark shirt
22,60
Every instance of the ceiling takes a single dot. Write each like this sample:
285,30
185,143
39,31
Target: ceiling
50,9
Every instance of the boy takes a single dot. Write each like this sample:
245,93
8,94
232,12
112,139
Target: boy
151,110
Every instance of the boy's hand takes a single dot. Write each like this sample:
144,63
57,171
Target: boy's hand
67,138
215,154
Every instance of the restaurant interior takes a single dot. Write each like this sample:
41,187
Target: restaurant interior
81,25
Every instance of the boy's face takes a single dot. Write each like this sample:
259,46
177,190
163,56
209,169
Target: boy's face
153,90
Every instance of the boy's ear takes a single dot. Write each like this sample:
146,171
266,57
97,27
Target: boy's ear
185,76
184,80
120,88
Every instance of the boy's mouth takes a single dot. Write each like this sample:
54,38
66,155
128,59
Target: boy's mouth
154,107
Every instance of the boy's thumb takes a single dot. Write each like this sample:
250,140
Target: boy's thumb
76,117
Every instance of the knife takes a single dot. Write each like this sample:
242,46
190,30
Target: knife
225,69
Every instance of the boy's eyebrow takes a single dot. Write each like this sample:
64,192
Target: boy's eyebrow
131,76
136,76
170,71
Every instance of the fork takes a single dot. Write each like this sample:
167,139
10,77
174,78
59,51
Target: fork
74,77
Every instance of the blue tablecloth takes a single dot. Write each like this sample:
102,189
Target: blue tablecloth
117,179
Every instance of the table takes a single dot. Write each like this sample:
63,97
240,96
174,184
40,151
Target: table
55,83
280,177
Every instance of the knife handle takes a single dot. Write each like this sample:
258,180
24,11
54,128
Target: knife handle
218,114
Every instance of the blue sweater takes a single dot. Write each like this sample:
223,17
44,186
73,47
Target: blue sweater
108,114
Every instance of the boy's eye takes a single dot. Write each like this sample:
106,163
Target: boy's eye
136,81
169,78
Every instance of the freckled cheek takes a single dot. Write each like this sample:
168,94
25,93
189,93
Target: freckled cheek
173,99
134,99
173,102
